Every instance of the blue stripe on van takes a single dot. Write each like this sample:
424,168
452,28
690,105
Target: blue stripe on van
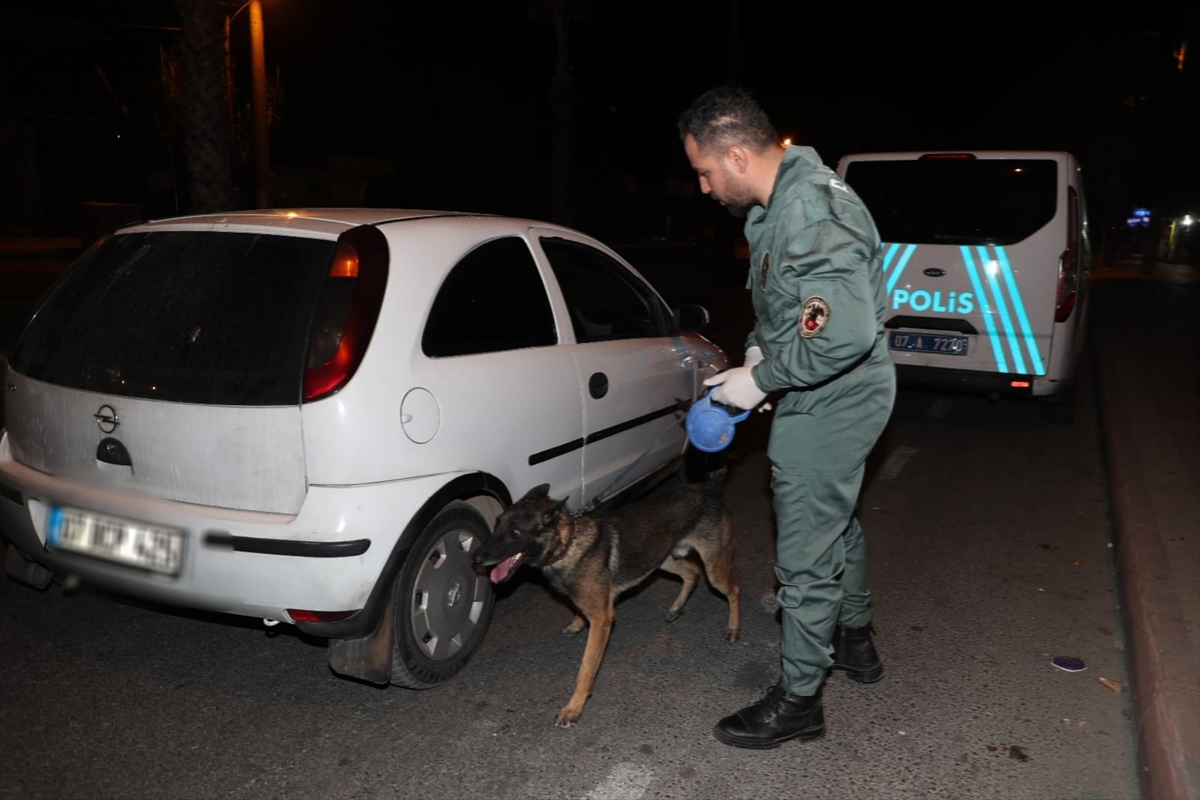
1019,306
908,251
991,267
984,309
889,255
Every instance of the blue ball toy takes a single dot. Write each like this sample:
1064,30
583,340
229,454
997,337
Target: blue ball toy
710,425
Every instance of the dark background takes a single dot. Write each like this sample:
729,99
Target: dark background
448,105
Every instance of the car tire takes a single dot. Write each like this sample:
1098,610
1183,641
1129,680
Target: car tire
441,607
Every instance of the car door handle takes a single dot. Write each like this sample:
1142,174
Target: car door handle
598,385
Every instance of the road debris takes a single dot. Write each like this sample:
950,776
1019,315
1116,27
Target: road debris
1069,663
1108,683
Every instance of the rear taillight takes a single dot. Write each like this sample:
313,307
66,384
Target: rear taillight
947,157
1068,285
346,311
1068,262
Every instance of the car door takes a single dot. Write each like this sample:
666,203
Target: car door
492,380
633,370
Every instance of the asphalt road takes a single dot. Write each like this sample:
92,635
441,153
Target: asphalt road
989,539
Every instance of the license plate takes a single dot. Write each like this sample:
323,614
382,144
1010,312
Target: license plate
928,343
132,543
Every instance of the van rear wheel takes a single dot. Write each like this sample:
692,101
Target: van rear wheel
440,605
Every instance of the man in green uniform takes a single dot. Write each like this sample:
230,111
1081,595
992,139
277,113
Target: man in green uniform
819,302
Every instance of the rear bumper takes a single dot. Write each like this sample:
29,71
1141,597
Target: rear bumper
328,557
972,382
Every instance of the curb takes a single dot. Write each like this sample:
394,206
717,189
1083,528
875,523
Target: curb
1166,712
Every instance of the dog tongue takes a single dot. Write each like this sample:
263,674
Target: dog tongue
504,570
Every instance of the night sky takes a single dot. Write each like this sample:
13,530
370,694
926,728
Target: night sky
456,95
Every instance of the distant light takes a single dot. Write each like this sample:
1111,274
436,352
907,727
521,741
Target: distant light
291,215
1140,218
1187,220
787,142
1018,169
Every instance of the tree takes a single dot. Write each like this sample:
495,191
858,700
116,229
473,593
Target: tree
207,139
559,14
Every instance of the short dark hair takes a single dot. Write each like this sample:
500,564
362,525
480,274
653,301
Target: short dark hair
726,116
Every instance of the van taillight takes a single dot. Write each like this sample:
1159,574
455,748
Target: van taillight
947,157
1068,262
1068,285
347,308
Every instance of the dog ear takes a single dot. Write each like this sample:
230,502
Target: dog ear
537,492
550,515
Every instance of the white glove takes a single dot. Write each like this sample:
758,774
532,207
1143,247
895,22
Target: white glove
754,357
736,387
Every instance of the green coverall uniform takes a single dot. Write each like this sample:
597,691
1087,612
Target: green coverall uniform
819,301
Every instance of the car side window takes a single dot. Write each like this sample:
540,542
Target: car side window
492,300
605,300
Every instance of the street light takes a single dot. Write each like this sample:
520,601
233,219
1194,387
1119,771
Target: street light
258,68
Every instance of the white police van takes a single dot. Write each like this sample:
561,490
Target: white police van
986,258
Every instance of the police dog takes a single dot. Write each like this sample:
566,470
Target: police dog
593,557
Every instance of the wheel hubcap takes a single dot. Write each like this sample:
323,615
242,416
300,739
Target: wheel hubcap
448,598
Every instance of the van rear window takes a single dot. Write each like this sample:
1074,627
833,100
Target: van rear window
187,316
957,201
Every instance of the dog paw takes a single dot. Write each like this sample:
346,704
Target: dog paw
731,635
674,615
567,717
572,630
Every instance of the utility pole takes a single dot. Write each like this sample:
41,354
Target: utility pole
262,149
258,98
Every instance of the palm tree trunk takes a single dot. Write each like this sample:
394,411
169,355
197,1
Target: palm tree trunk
207,139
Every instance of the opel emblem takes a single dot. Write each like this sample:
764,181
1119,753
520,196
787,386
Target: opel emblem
107,419
935,272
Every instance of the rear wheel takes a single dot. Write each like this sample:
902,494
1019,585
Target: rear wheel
440,605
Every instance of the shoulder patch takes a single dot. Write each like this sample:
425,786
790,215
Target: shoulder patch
814,317
835,183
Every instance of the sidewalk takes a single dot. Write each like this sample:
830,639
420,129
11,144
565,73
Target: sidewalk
1149,382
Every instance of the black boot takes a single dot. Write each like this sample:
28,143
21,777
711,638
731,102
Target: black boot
775,719
854,652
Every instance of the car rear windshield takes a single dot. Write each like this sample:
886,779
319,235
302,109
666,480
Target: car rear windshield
957,200
187,316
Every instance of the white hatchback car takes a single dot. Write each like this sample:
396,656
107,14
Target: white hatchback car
315,416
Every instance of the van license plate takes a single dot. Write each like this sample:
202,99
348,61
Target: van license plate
928,343
124,542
